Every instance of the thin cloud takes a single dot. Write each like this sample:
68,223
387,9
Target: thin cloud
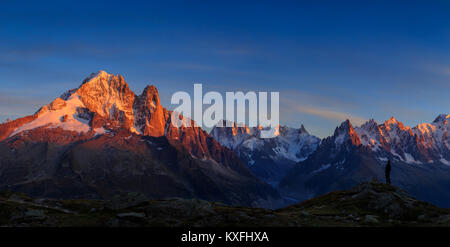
295,97
334,115
438,74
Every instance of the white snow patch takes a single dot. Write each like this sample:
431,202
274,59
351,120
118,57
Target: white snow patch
410,159
253,143
100,131
397,155
368,137
53,119
445,162
340,139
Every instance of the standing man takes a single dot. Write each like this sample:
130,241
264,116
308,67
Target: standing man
387,172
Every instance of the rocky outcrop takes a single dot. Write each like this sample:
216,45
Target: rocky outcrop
150,116
371,203
368,204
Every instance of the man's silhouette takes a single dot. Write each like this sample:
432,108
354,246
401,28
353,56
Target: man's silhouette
387,172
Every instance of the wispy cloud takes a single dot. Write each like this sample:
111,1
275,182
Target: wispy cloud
296,97
321,106
329,114
438,74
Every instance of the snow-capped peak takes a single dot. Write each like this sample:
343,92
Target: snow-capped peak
370,135
422,144
60,113
107,94
100,93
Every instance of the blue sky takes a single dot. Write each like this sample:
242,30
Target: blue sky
330,60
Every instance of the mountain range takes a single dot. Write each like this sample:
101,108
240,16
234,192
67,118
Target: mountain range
268,158
101,139
419,156
302,166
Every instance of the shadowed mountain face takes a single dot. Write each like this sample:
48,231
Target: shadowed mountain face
101,139
419,156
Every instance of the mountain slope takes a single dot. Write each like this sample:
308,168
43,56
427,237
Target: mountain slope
101,138
368,204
